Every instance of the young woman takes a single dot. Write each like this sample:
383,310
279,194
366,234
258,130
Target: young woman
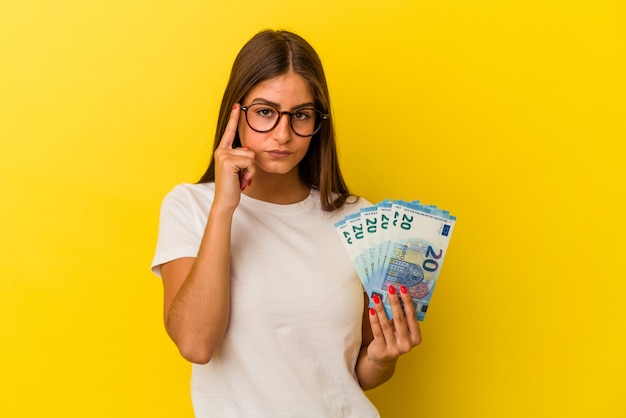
259,293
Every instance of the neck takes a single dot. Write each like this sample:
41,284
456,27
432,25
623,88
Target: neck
282,189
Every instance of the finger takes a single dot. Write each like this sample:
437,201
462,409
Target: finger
399,321
411,317
377,332
385,325
231,129
246,173
234,167
246,180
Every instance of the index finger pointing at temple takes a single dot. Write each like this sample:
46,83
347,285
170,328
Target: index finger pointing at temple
231,129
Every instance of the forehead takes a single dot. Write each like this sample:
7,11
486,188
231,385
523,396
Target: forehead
287,90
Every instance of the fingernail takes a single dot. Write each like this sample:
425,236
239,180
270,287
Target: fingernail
376,299
403,290
246,148
392,290
235,106
246,186
372,311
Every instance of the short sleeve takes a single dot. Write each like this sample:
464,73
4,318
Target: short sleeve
181,226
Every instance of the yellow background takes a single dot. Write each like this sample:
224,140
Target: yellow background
511,114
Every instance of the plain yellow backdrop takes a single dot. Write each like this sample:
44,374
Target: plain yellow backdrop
509,114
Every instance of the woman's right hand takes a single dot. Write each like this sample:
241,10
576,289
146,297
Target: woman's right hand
234,168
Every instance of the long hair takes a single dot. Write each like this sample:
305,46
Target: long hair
270,54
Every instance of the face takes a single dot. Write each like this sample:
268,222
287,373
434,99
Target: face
280,150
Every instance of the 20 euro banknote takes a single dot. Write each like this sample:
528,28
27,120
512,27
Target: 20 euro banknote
401,244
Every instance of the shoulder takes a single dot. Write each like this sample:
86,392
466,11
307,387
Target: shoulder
188,193
352,205
359,201
188,200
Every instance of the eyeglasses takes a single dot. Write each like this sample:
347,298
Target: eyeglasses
304,122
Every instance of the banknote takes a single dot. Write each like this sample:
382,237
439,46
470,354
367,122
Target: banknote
345,228
398,243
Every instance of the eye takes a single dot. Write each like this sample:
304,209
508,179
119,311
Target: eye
303,114
265,112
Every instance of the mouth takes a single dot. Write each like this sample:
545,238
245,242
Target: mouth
276,153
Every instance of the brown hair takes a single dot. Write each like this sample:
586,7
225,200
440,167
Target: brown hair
270,54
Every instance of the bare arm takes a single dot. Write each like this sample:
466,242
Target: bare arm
196,305
384,341
197,293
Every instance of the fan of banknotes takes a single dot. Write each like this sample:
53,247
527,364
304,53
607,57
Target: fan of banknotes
398,243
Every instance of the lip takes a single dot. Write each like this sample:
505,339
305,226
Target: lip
277,153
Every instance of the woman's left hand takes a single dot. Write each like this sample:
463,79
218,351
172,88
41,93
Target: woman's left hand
392,338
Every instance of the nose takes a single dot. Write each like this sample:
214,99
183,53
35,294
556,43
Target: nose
282,131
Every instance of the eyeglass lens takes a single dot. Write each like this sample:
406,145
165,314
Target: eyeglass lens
264,118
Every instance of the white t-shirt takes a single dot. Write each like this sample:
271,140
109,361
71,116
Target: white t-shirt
295,323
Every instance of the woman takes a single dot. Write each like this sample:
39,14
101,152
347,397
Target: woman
259,293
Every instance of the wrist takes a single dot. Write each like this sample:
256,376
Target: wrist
383,364
219,209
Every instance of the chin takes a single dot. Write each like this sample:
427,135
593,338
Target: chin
278,169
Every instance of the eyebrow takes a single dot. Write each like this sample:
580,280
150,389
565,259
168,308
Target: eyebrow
278,106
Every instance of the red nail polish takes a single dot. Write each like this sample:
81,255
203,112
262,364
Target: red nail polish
403,290
376,299
235,106
372,311
392,290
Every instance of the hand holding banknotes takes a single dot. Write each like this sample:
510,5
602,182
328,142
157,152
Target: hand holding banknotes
234,168
392,338
397,249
